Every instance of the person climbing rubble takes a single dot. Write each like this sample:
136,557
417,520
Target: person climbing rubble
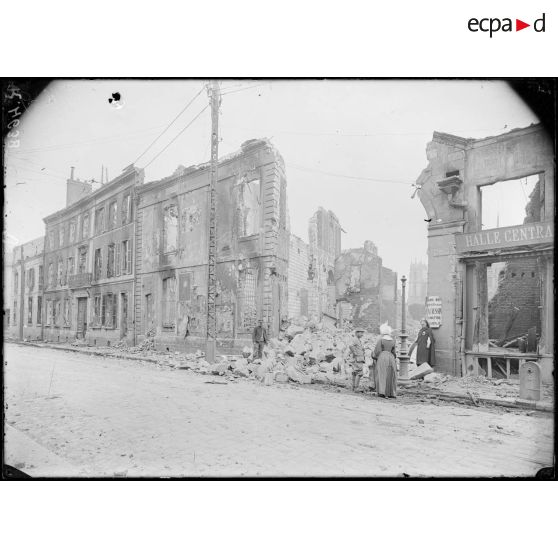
259,339
357,358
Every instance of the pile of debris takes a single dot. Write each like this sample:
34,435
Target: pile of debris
305,354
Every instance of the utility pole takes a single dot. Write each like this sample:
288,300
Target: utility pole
403,356
215,101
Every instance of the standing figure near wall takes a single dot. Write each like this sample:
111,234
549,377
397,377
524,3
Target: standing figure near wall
386,367
424,344
259,338
356,351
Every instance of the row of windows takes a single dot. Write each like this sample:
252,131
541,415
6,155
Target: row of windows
34,310
29,279
79,228
117,261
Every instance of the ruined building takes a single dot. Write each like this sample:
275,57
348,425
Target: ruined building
472,259
366,291
171,280
311,286
24,312
89,262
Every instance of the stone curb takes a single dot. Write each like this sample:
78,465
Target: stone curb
517,404
84,351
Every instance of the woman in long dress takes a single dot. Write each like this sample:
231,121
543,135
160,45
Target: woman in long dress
424,345
386,367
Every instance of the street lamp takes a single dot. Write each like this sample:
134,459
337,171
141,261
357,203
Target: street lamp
403,356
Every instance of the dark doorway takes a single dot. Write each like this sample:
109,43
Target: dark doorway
81,318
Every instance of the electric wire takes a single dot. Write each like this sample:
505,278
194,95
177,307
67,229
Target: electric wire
170,124
365,178
177,135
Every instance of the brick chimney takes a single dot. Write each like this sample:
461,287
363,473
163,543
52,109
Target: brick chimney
76,189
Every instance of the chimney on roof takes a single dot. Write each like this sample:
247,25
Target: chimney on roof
76,189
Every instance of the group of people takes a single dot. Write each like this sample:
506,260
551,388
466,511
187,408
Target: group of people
383,372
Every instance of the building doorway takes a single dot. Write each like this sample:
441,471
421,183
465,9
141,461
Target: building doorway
81,328
123,315
148,324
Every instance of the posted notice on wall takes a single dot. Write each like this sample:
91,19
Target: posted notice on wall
434,311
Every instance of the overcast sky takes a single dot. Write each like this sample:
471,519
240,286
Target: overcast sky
354,147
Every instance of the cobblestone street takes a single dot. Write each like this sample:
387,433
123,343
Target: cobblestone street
69,414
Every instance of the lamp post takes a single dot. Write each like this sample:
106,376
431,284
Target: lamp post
403,356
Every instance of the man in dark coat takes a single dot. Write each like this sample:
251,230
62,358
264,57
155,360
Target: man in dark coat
259,338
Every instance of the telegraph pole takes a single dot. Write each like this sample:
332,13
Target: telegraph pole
215,101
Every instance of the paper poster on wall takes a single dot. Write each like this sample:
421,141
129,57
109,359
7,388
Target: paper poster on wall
434,311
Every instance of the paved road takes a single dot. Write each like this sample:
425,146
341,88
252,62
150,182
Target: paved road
70,414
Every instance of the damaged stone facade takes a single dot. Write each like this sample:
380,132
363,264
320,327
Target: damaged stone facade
89,263
460,254
252,251
26,286
366,291
311,285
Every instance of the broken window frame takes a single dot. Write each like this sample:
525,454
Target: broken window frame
61,236
168,307
41,277
85,226
98,264
113,214
125,209
60,272
30,310
170,224
483,188
72,232
69,268
30,278
100,220
111,260
66,313
51,274
82,259
108,311
250,224
16,282
39,310
97,310
49,312
15,312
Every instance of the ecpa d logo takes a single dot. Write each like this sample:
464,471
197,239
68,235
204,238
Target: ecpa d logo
492,25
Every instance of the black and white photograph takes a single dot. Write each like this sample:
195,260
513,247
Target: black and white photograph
278,278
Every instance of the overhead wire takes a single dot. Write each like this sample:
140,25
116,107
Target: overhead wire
364,178
177,135
106,139
170,124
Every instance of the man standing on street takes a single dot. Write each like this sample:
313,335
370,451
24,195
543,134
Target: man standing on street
259,338
356,351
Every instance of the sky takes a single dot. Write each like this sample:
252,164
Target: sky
354,147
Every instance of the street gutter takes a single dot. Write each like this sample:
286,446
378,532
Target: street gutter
446,396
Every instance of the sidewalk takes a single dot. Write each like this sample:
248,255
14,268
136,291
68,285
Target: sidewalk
473,391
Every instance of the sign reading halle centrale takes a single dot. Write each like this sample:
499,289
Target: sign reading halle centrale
506,237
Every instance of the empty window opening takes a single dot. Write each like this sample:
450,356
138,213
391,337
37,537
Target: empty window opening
512,202
170,229
169,303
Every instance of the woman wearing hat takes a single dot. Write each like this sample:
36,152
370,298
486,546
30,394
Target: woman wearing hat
386,367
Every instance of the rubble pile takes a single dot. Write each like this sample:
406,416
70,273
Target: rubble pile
305,354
